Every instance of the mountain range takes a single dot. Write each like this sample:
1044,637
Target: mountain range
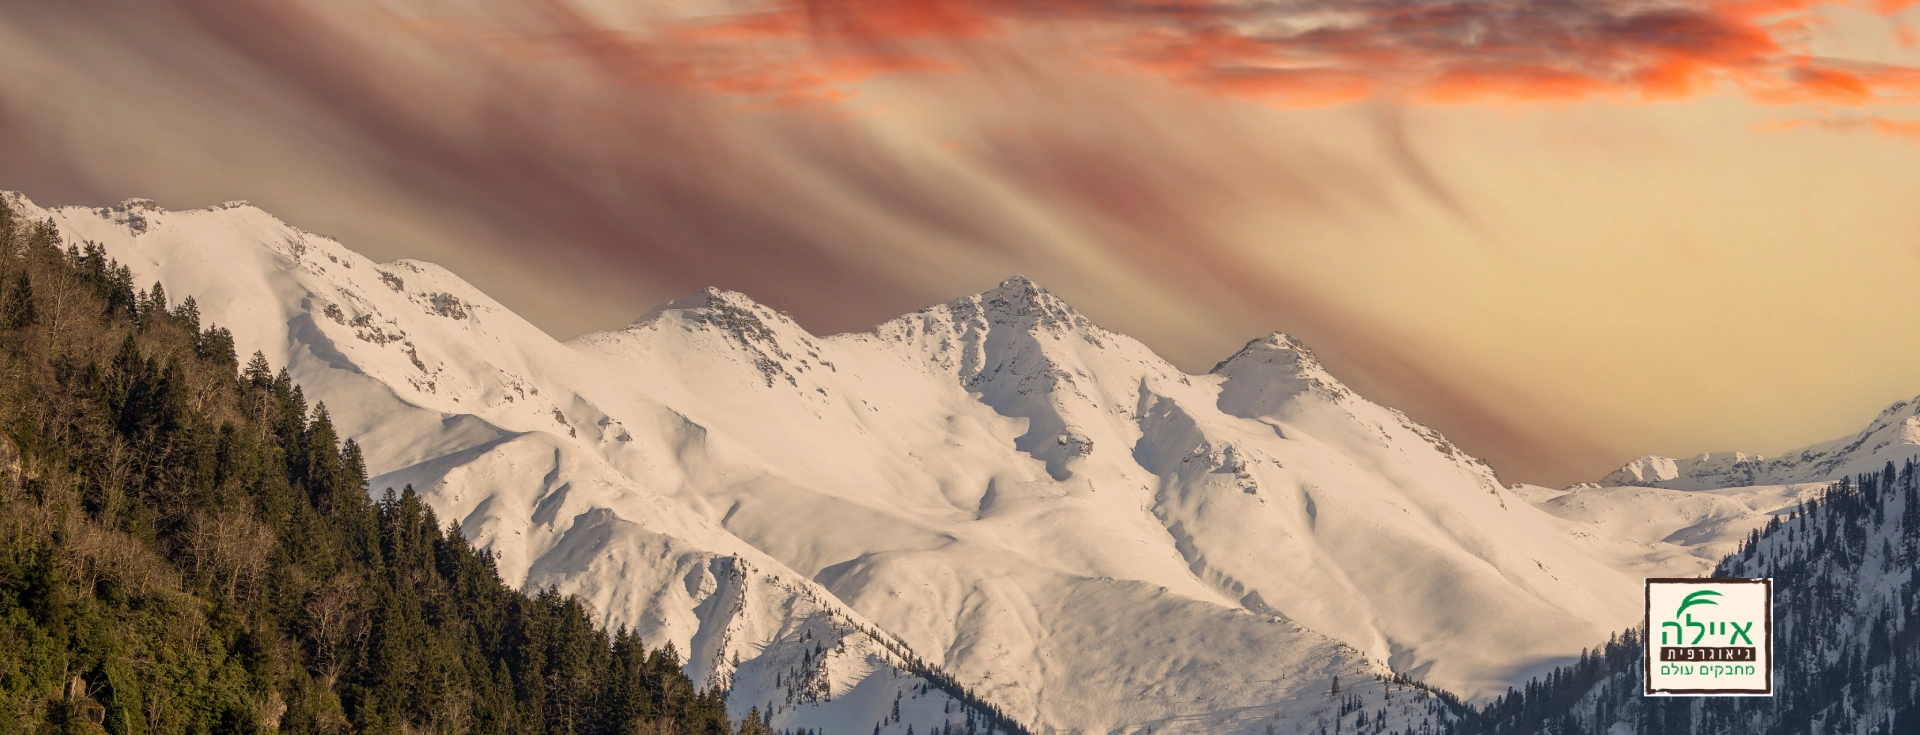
989,500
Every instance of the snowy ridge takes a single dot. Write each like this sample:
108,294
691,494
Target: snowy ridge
1893,436
995,488
1705,506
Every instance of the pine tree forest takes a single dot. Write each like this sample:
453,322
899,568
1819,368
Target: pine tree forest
187,547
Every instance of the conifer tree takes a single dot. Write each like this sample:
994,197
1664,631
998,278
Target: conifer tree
16,308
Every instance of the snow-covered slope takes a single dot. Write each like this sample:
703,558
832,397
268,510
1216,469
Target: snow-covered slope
1680,532
1893,436
1081,533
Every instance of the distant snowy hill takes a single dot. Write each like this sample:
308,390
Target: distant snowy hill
1704,506
1893,436
1072,528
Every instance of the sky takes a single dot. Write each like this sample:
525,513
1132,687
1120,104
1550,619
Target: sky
1565,233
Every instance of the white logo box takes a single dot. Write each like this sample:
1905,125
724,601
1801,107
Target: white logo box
1709,637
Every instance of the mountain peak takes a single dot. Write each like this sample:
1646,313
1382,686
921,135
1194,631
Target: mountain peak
1020,281
1686,473
710,302
770,338
1021,290
1270,371
714,297
1020,301
1277,347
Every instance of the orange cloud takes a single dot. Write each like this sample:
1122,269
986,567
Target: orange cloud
1889,127
1466,51
1832,85
1301,55
894,20
1895,128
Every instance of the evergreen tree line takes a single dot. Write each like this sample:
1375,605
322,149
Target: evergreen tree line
187,547
1846,571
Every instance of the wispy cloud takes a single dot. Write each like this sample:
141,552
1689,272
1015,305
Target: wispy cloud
1294,53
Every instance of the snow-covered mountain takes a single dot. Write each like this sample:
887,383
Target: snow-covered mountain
1077,531
1893,436
1705,506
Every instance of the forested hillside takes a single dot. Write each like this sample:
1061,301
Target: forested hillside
1846,575
185,547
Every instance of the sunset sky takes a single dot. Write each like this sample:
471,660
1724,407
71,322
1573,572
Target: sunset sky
1564,233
